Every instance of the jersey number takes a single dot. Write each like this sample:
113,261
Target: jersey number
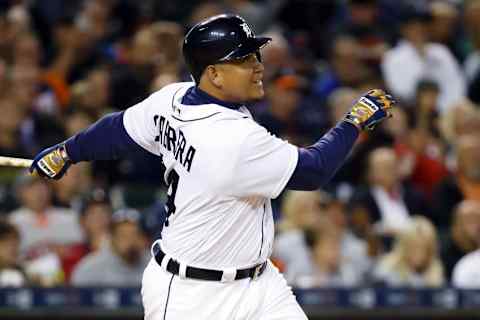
172,185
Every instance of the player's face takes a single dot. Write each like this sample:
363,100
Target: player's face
242,79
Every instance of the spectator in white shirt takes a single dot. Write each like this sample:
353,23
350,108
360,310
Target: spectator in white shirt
414,58
387,200
466,274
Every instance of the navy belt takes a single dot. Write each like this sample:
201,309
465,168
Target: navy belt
207,274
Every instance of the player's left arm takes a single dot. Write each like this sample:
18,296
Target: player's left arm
318,163
116,135
107,139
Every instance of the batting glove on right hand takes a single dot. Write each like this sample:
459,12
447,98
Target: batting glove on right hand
51,163
371,109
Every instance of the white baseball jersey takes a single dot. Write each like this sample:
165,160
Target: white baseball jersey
222,169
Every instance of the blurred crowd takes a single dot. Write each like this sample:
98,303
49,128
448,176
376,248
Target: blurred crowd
404,210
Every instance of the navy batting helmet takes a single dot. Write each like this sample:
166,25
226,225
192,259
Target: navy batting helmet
220,38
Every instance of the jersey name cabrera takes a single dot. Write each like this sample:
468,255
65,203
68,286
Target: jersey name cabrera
222,169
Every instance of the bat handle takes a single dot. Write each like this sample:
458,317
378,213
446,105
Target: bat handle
15,162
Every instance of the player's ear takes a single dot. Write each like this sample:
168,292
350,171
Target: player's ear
214,76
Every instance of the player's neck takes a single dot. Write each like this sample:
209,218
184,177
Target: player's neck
208,94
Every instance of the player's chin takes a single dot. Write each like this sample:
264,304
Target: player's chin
257,93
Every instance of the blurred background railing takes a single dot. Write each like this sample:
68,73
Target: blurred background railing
358,303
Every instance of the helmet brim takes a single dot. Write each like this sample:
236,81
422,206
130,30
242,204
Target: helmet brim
250,46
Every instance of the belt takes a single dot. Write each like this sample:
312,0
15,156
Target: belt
207,274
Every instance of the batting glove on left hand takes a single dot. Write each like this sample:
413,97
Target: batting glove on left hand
51,163
370,109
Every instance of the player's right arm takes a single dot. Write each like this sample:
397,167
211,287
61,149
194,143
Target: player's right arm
264,165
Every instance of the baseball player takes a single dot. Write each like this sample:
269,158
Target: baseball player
222,169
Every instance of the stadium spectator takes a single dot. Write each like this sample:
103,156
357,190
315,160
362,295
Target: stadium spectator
414,260
131,77
11,272
10,121
363,20
15,20
463,184
464,234
300,210
260,15
421,143
92,94
354,251
329,269
462,119
472,62
425,60
10,145
345,68
39,126
122,262
388,201
286,113
38,221
46,232
169,34
445,27
425,106
26,50
62,43
466,274
276,56
40,94
95,217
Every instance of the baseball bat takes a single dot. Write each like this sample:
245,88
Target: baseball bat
15,162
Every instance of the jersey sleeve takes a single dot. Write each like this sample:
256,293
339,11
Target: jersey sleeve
264,164
139,122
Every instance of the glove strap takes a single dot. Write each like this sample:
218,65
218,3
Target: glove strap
353,120
63,153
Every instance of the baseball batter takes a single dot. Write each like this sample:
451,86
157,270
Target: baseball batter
222,169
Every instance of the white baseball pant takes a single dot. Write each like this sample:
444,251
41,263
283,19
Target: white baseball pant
168,297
